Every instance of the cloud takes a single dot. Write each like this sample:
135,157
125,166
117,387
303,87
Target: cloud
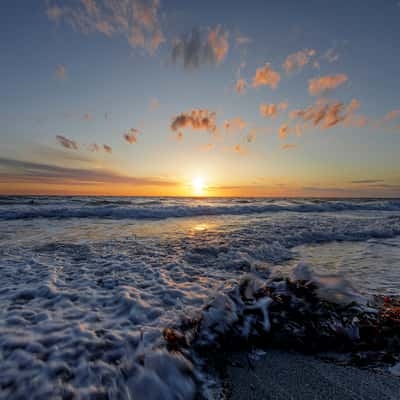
241,40
251,136
137,20
319,85
154,104
197,119
283,131
87,116
107,148
331,55
235,124
326,114
266,76
240,86
390,116
60,71
271,110
18,171
207,147
238,148
367,181
94,147
289,146
67,143
201,47
298,60
131,135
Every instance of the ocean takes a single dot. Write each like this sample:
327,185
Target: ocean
90,282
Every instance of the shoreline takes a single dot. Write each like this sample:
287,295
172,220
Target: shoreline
284,375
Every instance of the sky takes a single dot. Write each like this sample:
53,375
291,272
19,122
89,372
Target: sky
182,98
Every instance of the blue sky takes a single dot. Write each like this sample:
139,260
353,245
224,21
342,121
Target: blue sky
62,60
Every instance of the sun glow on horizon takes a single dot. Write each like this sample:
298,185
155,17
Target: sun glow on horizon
198,185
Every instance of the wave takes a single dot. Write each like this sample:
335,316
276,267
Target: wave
155,209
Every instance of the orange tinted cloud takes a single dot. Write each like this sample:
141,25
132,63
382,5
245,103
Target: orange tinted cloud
138,20
238,148
288,146
154,104
197,119
298,60
283,131
87,116
327,114
131,135
240,85
319,85
67,143
266,76
201,47
107,148
390,116
207,147
271,110
235,124
60,71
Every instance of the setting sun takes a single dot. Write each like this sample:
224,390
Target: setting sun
198,186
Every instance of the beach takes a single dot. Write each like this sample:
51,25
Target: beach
279,375
105,297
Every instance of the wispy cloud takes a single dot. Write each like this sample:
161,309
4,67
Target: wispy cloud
154,104
283,131
298,60
331,55
241,40
266,76
94,147
67,143
207,147
327,114
87,116
60,72
234,125
319,85
240,149
197,119
289,146
137,20
367,181
240,86
131,136
18,171
200,47
390,116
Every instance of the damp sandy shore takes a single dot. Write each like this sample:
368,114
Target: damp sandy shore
292,376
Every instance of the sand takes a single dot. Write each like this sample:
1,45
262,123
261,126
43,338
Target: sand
291,376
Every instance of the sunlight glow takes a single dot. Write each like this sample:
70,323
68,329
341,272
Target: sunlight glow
198,186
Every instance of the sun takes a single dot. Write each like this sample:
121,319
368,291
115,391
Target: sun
198,185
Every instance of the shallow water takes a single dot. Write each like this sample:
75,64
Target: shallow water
82,278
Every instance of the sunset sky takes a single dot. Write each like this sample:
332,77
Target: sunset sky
218,98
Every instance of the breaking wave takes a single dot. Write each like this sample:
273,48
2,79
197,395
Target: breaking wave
162,208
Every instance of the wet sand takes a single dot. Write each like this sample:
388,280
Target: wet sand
282,375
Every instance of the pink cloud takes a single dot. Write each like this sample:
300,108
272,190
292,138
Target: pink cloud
266,76
324,83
